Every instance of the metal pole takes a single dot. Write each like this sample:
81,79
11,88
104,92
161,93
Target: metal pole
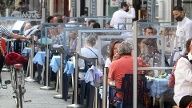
60,95
104,97
96,89
162,38
47,66
76,77
43,11
32,55
46,87
75,105
135,66
30,78
96,97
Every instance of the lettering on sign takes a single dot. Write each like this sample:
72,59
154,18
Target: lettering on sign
28,14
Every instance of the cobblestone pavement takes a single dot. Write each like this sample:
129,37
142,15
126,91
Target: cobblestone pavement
39,98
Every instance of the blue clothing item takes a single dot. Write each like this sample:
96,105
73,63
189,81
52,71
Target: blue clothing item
93,76
69,68
55,63
39,58
26,51
45,41
158,87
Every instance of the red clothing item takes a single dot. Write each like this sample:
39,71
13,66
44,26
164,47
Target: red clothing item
14,58
3,46
119,68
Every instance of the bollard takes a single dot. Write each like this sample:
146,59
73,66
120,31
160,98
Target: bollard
75,105
104,97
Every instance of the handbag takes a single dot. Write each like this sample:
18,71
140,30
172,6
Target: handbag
171,81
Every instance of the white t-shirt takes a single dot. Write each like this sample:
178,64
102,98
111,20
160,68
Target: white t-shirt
119,17
183,79
88,52
107,62
183,32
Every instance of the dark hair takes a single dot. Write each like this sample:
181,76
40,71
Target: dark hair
149,27
91,21
112,45
185,101
96,25
60,20
21,3
178,8
123,4
49,18
187,45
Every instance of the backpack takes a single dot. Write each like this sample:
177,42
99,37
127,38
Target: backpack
171,81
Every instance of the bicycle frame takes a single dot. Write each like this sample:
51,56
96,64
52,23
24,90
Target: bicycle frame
18,82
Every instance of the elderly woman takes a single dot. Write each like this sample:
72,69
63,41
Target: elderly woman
122,66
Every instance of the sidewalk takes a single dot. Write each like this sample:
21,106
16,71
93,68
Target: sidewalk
39,98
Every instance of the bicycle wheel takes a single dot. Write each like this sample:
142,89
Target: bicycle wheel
15,86
14,79
19,97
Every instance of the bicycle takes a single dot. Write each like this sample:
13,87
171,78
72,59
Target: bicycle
15,61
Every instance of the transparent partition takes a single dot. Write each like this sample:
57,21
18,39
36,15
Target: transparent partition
103,39
59,34
9,22
85,21
156,42
19,26
49,30
154,45
71,34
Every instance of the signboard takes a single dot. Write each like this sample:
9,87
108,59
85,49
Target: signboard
29,14
114,3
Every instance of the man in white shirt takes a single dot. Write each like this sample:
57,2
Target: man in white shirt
184,30
122,16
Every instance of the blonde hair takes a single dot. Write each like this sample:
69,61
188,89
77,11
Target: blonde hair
91,40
